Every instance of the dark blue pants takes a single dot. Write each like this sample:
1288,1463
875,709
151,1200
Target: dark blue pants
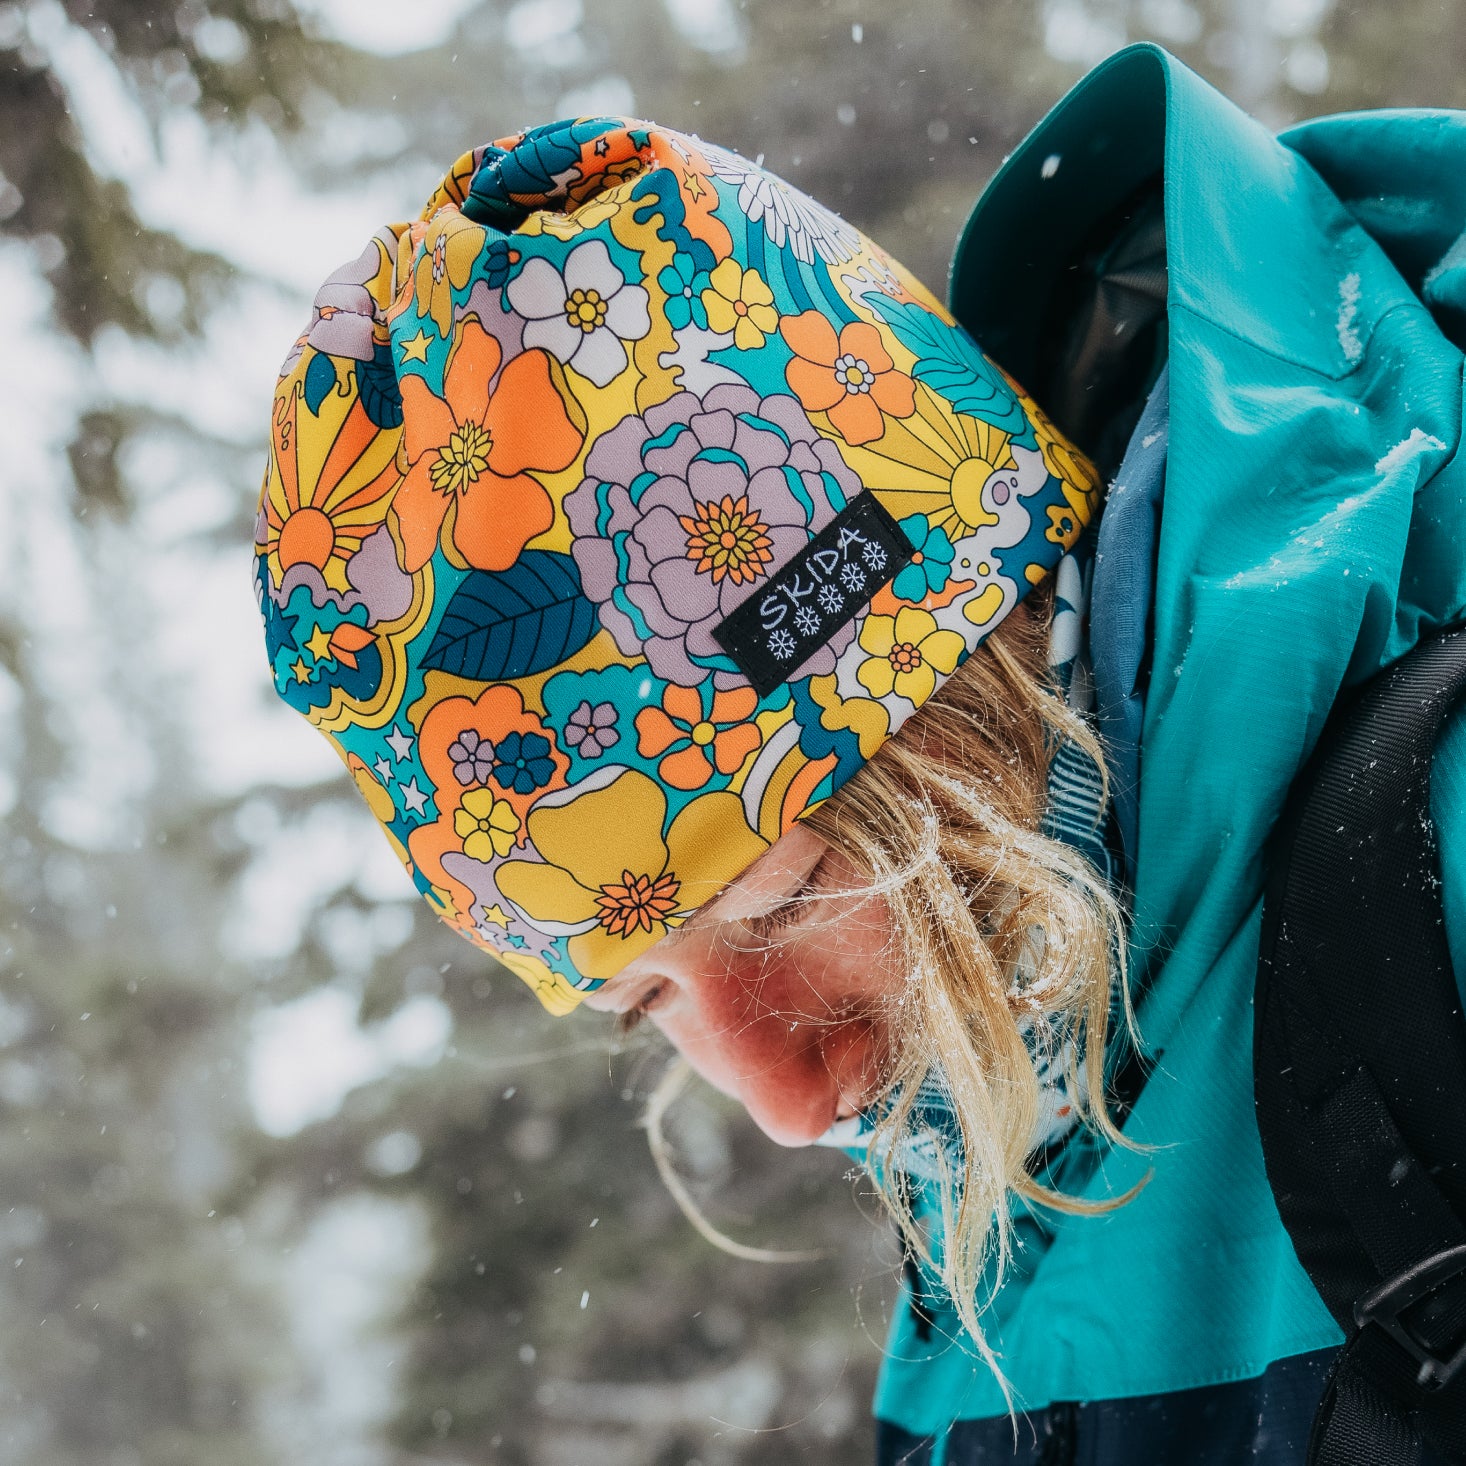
1262,1422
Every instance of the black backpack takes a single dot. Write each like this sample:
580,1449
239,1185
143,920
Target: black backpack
1359,1062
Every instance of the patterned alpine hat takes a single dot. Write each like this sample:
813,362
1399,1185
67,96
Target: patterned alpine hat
618,509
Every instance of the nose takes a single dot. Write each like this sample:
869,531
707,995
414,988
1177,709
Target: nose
794,1076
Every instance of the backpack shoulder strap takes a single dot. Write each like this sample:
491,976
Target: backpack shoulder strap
1360,1066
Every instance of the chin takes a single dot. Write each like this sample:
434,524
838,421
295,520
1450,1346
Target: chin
795,1134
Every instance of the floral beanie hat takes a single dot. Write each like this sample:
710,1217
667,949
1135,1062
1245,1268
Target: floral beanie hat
617,510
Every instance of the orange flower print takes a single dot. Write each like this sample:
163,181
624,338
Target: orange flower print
727,538
473,448
698,739
475,744
637,903
850,377
464,745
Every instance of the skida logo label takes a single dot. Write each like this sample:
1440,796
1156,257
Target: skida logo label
819,591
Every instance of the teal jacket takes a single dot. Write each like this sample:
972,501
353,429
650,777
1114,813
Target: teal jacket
1312,531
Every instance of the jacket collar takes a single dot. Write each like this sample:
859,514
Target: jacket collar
1257,244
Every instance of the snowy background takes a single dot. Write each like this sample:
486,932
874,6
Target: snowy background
286,1171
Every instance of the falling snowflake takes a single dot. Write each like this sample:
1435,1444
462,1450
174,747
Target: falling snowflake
853,576
830,597
807,619
781,644
875,556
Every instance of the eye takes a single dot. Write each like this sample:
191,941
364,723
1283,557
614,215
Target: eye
629,1021
788,912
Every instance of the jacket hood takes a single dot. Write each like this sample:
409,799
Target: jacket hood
1311,533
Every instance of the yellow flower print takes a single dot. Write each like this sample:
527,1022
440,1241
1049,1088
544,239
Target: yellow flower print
1078,481
869,721
449,249
487,826
609,871
739,301
907,651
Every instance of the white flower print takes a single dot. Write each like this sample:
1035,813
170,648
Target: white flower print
584,316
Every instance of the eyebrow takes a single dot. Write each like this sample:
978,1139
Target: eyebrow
676,933
792,895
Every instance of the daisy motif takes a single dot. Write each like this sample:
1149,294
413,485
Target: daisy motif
486,825
906,653
584,316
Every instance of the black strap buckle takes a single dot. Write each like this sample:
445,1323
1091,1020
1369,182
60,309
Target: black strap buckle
1385,1304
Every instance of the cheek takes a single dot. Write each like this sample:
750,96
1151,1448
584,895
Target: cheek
772,1065
858,1055
847,960
841,965
798,1035
739,1024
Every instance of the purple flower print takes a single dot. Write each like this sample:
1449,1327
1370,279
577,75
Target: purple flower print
344,311
591,730
473,758
685,511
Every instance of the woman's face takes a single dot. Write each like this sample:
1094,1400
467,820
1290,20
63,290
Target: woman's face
782,1002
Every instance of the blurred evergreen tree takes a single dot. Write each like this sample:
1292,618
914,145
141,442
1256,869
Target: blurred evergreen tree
232,60
135,1327
176,1285
148,1226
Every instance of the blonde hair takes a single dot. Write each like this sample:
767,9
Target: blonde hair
997,925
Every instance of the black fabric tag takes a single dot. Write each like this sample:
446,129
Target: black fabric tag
820,590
